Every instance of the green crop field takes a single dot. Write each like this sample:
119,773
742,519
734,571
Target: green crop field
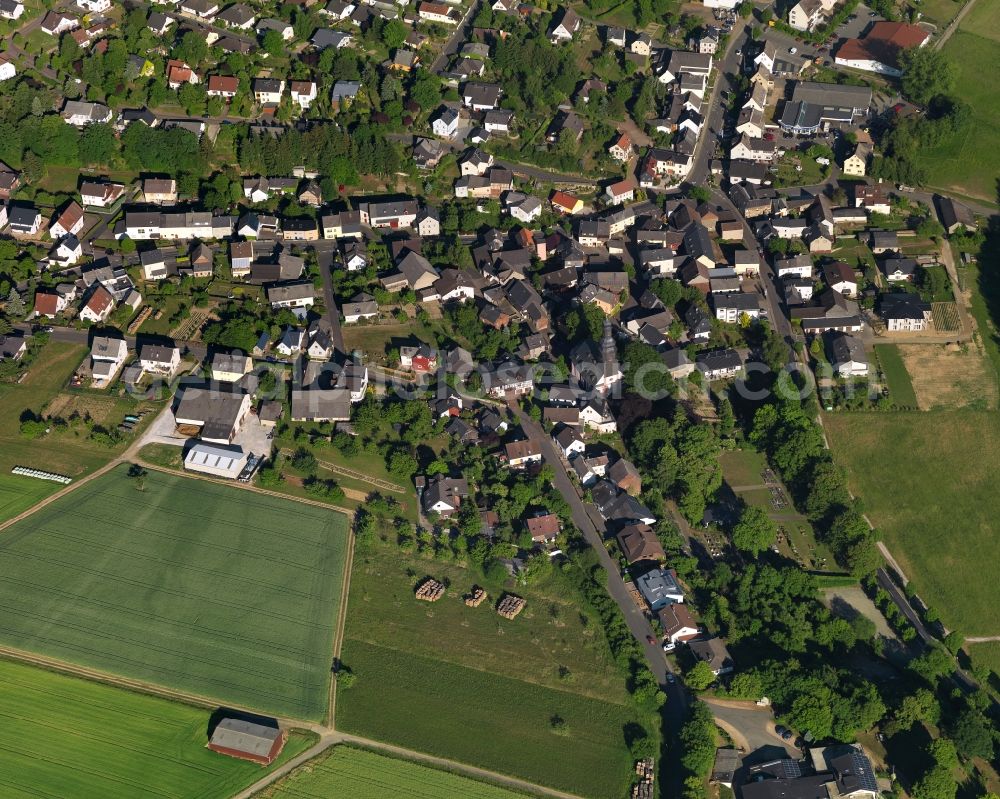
900,386
485,719
61,736
17,494
193,585
928,481
465,684
968,164
360,774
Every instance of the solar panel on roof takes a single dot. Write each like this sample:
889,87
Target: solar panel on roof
863,770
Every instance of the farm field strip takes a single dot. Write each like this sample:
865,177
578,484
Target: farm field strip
187,594
359,774
472,717
17,494
900,386
62,737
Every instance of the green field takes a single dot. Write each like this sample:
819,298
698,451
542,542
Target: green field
62,737
17,494
193,585
463,683
359,774
485,719
969,164
743,467
928,481
900,386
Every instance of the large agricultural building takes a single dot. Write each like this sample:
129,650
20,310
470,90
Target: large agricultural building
216,459
248,740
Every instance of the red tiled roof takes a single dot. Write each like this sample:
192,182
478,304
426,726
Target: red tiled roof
46,304
883,43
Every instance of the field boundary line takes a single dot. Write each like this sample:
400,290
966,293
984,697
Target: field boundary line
141,686
315,503
338,636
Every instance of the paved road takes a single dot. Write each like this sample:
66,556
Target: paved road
456,40
728,64
325,250
584,519
899,598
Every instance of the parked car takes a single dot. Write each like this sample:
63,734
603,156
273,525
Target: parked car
793,50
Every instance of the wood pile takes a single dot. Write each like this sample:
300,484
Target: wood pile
475,597
644,769
510,605
430,590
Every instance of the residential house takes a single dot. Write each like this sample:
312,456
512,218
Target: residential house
268,91
544,528
841,277
94,194
291,294
713,652
905,313
856,164
81,114
157,191
639,543
303,93
678,625
881,47
69,222
24,220
223,86
361,306
98,306
621,148
568,441
7,68
719,364
159,360
11,9
107,356
444,495
446,123
520,454
436,12
230,367
660,588
625,475
847,355
565,25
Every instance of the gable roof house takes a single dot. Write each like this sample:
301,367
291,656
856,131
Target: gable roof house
639,543
444,495
564,26
660,588
678,625
714,652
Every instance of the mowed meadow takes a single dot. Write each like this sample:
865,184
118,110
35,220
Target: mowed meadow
465,684
65,737
195,586
360,774
928,482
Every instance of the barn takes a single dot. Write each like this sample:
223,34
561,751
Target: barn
248,740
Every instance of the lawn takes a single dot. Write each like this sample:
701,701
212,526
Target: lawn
743,467
928,481
196,586
360,774
900,386
62,736
65,450
17,494
969,163
463,683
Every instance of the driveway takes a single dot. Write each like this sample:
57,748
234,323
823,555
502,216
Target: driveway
751,728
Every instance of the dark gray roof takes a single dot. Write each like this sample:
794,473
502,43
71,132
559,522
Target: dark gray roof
245,736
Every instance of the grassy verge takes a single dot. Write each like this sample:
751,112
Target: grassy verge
900,386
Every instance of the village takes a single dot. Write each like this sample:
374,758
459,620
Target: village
519,293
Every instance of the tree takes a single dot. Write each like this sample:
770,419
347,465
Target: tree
972,734
927,73
138,476
273,44
394,33
15,305
754,531
98,145
699,676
